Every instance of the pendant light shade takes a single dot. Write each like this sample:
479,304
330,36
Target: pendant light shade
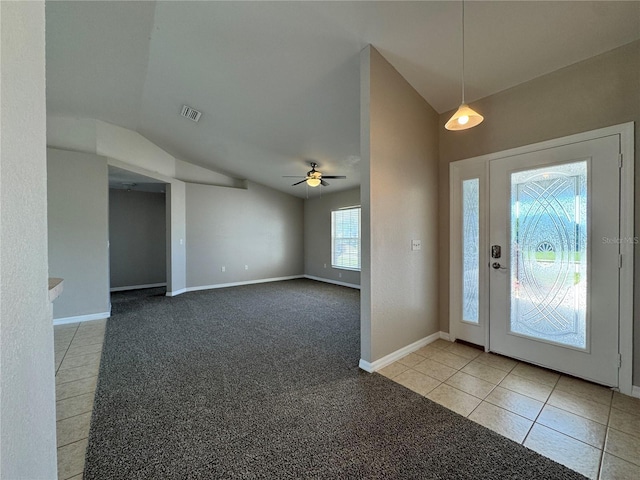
313,182
465,117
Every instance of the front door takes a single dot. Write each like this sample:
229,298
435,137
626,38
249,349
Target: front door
554,285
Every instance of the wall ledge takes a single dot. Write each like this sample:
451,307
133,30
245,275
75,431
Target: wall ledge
56,285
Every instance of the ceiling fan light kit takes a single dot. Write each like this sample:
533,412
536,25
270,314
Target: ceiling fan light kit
315,178
465,117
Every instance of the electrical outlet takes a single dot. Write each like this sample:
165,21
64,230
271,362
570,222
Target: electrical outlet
325,265
340,275
246,267
416,245
224,269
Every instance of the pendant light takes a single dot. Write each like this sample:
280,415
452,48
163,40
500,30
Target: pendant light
465,117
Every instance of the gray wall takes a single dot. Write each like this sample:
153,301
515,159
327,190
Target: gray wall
137,238
317,235
258,227
399,149
595,93
175,209
78,231
176,237
27,395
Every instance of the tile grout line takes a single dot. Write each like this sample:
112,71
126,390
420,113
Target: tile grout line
571,437
74,441
87,345
75,396
83,462
76,379
545,403
76,415
92,392
601,460
606,437
620,458
577,415
67,349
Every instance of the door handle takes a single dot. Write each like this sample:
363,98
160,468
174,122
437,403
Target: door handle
497,266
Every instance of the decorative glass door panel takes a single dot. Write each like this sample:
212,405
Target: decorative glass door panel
549,254
470,249
554,282
469,276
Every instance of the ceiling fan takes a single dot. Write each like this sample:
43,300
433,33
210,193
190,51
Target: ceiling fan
314,177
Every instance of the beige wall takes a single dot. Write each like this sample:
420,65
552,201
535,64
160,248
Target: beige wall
78,228
399,195
258,227
27,395
596,93
317,235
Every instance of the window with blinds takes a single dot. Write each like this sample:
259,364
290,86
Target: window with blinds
345,238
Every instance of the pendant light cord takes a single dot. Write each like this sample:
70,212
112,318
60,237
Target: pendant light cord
464,117
462,51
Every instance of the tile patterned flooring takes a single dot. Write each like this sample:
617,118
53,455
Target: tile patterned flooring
584,426
78,348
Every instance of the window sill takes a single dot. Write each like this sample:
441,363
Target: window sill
346,268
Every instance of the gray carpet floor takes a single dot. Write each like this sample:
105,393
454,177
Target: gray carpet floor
261,381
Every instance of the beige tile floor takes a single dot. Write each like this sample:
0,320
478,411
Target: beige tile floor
78,348
584,426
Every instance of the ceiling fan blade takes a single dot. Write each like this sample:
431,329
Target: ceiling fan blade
298,183
324,184
333,176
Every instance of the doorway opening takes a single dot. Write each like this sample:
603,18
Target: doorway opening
137,231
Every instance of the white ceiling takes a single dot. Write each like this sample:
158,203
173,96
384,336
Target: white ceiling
120,179
278,82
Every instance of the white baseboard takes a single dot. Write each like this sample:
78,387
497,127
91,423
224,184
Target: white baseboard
445,336
176,292
81,318
138,287
392,357
261,280
335,282
237,284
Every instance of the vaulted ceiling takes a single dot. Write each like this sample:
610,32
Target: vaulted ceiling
278,82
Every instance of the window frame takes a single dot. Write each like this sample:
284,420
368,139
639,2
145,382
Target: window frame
334,214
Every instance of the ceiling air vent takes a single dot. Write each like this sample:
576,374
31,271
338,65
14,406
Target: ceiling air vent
190,113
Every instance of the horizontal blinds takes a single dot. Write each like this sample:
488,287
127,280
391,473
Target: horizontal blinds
345,238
